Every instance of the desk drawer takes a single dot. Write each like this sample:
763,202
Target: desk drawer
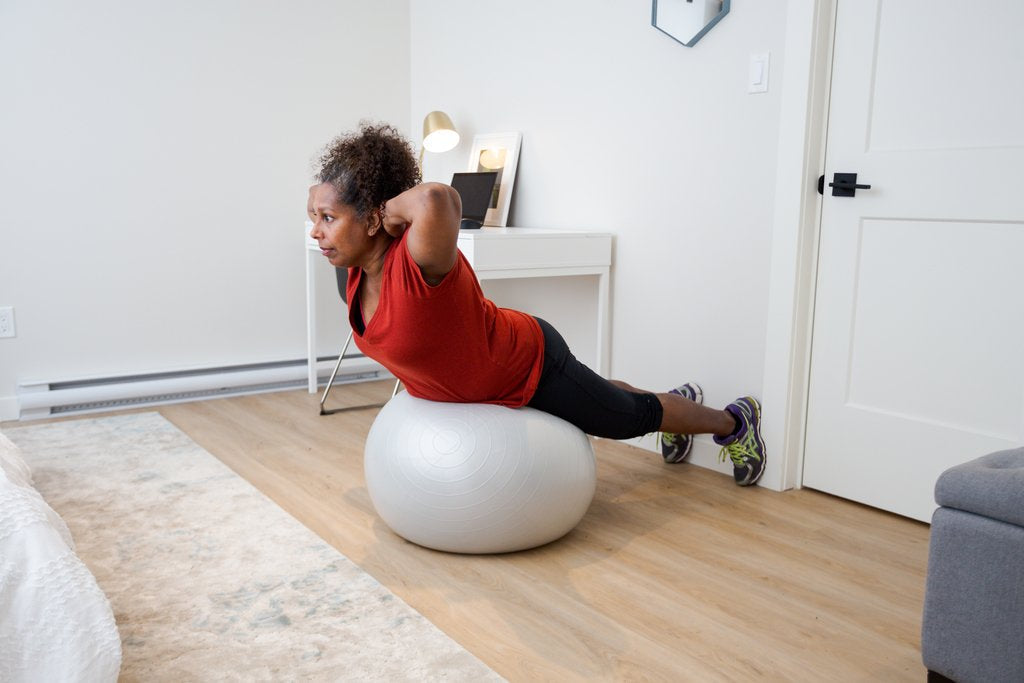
507,252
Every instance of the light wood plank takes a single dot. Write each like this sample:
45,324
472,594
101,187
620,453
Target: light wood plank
674,574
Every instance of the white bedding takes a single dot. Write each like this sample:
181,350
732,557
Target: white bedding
55,622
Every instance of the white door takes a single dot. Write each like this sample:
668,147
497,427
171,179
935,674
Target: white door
918,341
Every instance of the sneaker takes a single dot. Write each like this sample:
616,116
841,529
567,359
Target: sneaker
745,447
675,447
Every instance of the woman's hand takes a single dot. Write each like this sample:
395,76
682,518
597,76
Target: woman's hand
392,221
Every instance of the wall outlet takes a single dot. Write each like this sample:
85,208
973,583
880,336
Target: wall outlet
7,321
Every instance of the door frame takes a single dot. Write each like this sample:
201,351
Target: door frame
796,225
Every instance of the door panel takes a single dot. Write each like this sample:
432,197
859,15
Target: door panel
947,92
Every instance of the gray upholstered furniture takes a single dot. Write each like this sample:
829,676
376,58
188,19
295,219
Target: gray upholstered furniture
974,602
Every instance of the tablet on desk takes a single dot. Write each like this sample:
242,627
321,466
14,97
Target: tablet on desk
475,190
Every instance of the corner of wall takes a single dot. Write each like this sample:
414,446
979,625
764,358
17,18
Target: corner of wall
9,408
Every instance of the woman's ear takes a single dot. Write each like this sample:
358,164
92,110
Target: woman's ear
376,220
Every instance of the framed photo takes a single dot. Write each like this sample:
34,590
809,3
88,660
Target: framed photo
497,152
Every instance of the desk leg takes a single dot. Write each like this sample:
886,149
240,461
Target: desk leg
603,325
310,321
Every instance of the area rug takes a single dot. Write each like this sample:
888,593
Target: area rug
209,579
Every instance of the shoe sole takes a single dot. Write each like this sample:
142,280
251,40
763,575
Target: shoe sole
760,441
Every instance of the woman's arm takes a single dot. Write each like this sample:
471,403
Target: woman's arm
431,213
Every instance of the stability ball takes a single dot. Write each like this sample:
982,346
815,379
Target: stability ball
476,478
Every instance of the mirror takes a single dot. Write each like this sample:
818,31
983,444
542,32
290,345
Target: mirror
687,20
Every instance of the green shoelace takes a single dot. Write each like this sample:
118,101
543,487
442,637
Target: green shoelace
740,451
669,439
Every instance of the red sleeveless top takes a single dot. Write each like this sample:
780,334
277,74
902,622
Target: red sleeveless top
448,342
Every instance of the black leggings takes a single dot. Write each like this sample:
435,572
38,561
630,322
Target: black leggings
570,390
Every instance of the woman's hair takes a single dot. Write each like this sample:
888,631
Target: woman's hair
369,166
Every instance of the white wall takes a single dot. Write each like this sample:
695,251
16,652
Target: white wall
154,160
627,131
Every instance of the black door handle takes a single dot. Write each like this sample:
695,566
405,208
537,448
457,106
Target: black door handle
843,185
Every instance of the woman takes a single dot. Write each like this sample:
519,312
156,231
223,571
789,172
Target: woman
416,307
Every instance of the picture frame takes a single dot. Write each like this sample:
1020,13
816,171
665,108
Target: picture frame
497,152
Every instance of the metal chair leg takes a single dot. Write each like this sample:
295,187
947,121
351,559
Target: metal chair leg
330,383
334,373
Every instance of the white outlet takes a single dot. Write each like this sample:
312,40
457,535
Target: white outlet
7,321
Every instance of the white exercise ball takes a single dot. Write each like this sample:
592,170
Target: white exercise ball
476,478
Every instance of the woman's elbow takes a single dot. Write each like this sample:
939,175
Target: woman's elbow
444,198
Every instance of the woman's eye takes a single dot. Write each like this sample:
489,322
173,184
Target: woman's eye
328,219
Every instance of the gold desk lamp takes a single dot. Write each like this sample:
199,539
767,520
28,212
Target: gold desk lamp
439,134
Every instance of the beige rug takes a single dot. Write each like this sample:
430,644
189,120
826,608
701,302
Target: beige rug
209,579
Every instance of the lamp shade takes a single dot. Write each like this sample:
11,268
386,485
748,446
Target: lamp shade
439,134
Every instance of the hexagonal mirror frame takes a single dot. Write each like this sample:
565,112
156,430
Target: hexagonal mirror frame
687,21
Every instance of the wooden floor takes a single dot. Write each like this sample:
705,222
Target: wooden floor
674,574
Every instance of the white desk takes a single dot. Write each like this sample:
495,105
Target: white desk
506,253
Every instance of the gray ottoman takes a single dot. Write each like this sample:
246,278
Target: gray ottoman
974,600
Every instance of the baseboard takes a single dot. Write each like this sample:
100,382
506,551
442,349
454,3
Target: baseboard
41,399
648,442
704,452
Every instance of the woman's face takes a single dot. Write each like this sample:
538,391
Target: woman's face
343,237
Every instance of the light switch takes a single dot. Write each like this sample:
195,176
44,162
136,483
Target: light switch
758,76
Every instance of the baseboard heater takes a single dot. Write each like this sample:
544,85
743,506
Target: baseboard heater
48,398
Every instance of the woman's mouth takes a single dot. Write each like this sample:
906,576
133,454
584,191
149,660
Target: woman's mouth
326,251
